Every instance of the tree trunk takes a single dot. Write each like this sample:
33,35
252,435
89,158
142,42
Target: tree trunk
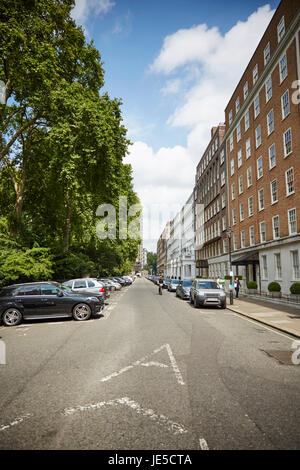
67,226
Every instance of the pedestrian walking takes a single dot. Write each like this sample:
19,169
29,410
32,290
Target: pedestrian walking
237,286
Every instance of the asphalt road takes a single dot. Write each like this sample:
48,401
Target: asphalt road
151,373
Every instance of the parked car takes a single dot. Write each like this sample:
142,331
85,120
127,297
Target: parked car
172,286
207,292
166,282
39,300
107,284
128,280
88,285
120,281
115,283
183,289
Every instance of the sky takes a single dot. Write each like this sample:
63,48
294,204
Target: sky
174,64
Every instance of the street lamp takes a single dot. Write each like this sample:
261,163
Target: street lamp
229,233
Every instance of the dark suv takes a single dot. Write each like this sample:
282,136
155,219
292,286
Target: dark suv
37,300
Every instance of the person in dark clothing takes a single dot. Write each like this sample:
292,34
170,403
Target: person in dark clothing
160,285
237,286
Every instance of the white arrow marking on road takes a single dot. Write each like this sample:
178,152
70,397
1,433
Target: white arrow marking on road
160,419
144,359
203,444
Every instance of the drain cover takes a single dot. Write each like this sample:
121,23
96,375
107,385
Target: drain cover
284,357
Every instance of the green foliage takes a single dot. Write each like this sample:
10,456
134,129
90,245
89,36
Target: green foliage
73,265
295,288
274,287
252,285
152,262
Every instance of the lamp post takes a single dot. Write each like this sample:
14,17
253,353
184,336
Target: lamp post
229,232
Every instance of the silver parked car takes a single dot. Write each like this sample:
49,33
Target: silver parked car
88,285
207,292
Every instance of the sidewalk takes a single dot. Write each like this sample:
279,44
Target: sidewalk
282,317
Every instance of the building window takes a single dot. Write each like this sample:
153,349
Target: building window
274,192
258,136
239,158
268,87
252,236
231,142
230,116
295,264
232,167
250,206
270,122
238,132
292,221
262,232
278,269
261,202
283,70
243,243
256,106
259,167
267,53
241,184
233,216
248,148
280,29
237,105
285,104
287,141
249,176
290,181
247,120
242,212
233,191
222,157
255,74
272,156
235,242
224,224
264,267
245,91
275,224
223,200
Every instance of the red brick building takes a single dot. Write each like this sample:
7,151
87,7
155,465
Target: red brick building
263,156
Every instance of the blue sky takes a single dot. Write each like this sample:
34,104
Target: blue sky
174,63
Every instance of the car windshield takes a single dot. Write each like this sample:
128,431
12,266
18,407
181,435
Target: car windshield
66,288
207,285
187,283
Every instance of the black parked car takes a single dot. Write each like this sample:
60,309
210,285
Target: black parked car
37,300
183,289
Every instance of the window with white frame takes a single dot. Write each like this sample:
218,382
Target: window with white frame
222,178
247,120
239,158
245,91
264,267
268,87
233,191
243,239
290,181
224,226
230,116
248,148
285,104
295,264
237,105
267,53
270,122
262,232
249,176
242,212
252,235
283,70
241,188
259,165
258,136
232,167
280,29
231,142
223,200
233,213
292,221
255,74
261,200
275,224
222,157
272,156
256,106
238,132
274,191
235,241
278,267
250,206
287,141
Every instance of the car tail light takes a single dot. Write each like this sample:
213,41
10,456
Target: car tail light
102,289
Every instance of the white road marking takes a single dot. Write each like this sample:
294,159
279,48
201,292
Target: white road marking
203,444
160,419
19,420
144,359
153,363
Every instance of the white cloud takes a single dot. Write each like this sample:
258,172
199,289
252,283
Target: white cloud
207,65
84,9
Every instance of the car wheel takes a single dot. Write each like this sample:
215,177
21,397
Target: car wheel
12,317
82,312
191,300
223,305
196,304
